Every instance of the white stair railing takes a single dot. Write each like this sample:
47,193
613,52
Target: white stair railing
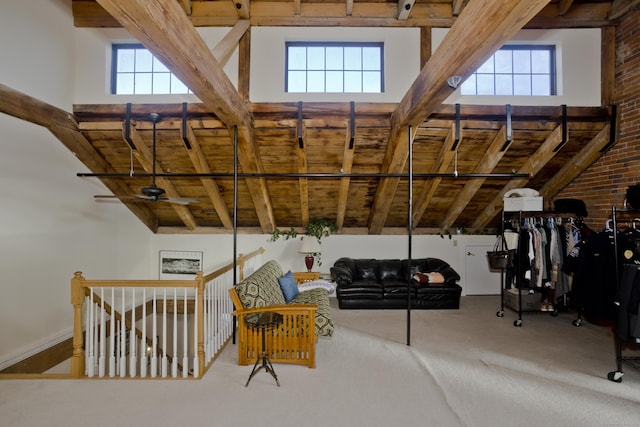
188,321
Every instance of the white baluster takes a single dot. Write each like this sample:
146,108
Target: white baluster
133,345
206,324
154,338
164,334
103,338
185,339
216,316
196,367
90,331
123,337
143,343
174,360
112,354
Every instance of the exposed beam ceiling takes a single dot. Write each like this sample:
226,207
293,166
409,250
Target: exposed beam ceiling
167,32
481,29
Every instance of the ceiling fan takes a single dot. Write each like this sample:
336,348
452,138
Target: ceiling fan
152,193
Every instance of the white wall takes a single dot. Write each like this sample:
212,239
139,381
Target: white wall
218,250
578,53
50,225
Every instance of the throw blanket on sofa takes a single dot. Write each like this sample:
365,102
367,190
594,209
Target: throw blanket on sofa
262,289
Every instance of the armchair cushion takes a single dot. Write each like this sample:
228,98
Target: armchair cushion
318,296
262,288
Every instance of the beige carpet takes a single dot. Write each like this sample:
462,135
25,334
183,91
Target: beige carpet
465,367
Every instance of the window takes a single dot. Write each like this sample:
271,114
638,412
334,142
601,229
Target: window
517,70
334,67
135,71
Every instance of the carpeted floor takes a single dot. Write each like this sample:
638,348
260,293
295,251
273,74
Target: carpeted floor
464,367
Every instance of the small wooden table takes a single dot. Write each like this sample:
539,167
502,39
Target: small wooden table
264,321
306,276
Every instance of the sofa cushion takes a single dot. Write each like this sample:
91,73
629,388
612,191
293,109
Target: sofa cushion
289,286
320,297
366,269
390,269
262,288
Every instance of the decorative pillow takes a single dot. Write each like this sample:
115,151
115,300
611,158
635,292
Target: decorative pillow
431,279
289,286
436,278
421,278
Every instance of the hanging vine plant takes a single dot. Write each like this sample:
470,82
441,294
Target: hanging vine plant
317,228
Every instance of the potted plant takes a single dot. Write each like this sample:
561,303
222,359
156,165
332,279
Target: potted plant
317,228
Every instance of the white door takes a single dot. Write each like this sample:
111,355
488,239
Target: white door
478,279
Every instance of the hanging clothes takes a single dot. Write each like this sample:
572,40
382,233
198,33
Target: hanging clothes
628,301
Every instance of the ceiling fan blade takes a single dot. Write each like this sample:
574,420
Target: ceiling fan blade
110,196
179,200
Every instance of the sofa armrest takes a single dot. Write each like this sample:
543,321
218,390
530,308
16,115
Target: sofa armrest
341,275
283,309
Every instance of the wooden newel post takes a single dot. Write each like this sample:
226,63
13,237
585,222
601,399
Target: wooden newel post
200,320
241,261
77,300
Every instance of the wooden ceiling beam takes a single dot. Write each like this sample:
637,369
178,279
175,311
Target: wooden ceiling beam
566,14
303,182
145,156
347,167
532,166
163,28
250,162
486,165
229,43
243,7
63,126
201,165
404,9
564,6
348,5
585,158
580,15
456,7
482,28
620,7
446,156
186,6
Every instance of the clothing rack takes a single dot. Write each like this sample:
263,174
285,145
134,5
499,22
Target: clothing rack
551,284
626,281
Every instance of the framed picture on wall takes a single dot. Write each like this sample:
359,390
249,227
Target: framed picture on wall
179,265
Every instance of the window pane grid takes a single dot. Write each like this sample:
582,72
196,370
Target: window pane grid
522,70
135,71
334,67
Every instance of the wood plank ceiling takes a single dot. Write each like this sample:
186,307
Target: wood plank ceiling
334,161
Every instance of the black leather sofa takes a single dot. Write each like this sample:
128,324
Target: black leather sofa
383,284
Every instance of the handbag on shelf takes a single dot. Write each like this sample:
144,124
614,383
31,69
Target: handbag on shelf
500,257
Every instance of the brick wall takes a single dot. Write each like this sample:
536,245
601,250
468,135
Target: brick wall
605,183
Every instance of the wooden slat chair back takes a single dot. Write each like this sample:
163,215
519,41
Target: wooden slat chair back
294,341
